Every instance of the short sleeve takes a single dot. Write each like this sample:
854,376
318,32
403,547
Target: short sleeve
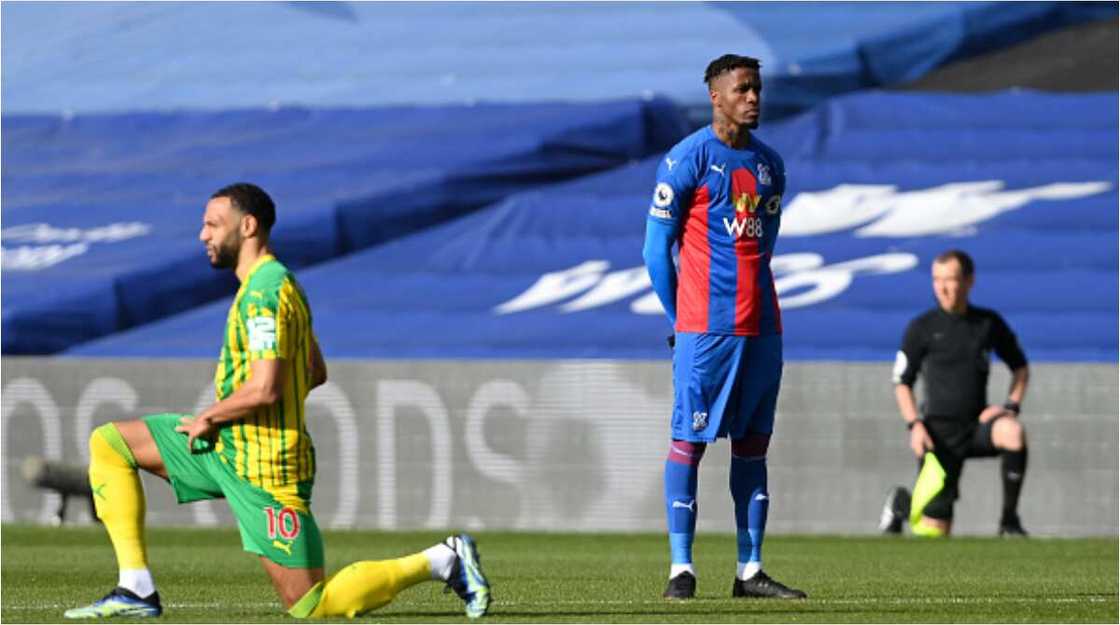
272,318
261,320
908,360
779,173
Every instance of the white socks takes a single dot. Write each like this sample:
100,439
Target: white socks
139,581
677,569
746,570
442,559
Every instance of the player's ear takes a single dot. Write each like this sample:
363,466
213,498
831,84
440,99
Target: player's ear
249,226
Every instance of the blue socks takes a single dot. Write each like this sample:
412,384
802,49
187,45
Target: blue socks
748,490
681,469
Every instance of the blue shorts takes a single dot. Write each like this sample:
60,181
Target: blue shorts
725,385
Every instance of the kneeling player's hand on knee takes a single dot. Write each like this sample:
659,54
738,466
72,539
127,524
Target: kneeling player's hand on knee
994,412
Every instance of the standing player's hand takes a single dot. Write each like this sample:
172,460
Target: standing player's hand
672,341
993,412
920,442
196,428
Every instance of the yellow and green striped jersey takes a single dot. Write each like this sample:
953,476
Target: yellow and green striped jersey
270,318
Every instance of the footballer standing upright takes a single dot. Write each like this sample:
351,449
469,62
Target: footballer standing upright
719,198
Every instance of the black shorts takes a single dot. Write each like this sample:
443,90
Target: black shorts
954,441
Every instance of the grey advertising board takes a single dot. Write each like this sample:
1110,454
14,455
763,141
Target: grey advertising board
574,445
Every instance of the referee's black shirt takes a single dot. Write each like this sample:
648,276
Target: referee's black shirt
953,354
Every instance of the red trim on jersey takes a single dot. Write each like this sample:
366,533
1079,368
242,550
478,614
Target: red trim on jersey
696,260
748,291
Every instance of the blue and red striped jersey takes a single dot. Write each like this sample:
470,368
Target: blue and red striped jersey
724,206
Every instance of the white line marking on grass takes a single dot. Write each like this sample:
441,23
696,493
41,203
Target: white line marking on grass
811,600
499,603
214,604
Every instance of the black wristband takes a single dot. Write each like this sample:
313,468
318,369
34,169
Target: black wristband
910,424
1013,406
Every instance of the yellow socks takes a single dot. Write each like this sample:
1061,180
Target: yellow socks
118,496
362,586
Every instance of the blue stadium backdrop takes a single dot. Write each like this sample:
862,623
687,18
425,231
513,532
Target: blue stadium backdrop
879,184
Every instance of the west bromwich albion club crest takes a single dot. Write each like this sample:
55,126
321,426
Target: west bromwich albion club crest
763,174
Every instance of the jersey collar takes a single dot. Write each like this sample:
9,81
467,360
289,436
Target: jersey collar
257,265
249,276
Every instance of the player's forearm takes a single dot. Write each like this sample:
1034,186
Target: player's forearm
242,403
658,256
1019,379
318,376
318,366
666,290
907,407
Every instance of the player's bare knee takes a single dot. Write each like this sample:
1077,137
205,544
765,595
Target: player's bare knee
291,584
291,595
1008,434
139,440
753,445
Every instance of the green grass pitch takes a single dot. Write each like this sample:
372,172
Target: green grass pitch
599,578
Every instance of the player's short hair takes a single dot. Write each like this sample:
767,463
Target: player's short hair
726,63
251,200
967,266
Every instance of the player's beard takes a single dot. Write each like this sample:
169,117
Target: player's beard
226,252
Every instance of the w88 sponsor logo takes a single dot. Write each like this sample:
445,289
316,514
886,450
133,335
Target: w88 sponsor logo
750,227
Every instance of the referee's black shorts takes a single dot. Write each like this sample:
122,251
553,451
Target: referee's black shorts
954,441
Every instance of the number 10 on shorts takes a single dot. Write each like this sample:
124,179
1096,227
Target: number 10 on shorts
284,524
